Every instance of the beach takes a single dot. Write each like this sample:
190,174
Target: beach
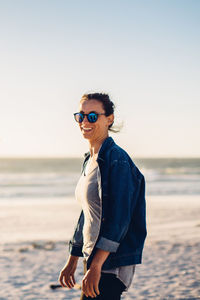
111,81
34,248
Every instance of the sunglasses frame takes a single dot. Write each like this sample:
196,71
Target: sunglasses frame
83,115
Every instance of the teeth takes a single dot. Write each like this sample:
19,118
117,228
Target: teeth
86,128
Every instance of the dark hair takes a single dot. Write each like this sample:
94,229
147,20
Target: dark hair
108,105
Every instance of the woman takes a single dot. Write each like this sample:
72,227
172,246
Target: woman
111,229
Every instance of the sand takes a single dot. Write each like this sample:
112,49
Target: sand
33,249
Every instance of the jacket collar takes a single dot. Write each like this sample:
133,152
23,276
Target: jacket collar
105,145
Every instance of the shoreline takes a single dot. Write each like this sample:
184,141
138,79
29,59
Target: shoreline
168,217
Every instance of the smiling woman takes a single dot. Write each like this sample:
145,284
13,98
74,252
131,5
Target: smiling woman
111,229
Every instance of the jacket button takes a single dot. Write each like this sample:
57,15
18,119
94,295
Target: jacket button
103,219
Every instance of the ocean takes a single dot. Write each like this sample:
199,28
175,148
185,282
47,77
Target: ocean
48,178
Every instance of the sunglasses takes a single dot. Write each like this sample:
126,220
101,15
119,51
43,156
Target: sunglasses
92,117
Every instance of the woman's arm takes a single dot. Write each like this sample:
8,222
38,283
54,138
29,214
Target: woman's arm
120,199
66,276
76,243
91,279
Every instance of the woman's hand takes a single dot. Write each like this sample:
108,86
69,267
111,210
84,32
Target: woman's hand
66,277
90,282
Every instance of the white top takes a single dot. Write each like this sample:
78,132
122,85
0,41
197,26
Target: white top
87,195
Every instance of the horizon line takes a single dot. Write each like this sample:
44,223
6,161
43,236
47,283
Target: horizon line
81,157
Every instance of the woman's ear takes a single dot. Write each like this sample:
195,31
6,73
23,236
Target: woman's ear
110,119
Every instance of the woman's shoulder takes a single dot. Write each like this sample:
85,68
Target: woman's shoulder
119,155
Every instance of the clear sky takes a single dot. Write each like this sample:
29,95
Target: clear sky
145,54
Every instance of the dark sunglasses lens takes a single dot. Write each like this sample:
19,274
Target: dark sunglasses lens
92,117
79,117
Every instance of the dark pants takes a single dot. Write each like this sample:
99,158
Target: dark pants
110,288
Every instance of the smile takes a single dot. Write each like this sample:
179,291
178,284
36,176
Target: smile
86,129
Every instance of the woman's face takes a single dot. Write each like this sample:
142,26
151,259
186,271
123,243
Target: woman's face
98,130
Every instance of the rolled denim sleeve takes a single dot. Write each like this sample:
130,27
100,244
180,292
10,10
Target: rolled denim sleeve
107,244
123,187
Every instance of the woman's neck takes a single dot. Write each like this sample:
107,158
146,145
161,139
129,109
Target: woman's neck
94,146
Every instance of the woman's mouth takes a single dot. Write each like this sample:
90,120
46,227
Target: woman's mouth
86,129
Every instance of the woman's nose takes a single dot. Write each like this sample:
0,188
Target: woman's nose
85,120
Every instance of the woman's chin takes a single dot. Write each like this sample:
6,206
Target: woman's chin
87,135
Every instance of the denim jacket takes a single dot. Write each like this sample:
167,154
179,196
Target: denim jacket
123,219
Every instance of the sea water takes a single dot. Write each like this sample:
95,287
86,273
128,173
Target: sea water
49,178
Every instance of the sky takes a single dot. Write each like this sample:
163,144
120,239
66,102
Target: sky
144,54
